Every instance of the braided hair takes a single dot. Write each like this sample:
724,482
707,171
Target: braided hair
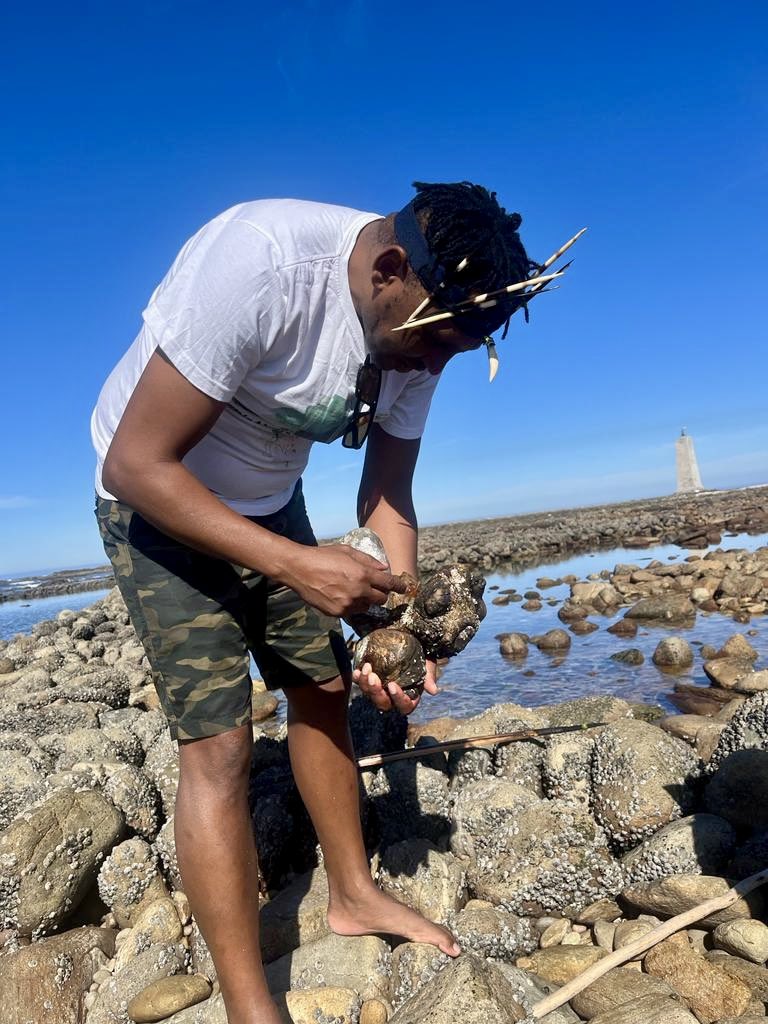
461,220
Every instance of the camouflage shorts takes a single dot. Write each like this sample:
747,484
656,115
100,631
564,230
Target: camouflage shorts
199,616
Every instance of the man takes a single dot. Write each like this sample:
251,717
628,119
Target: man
275,328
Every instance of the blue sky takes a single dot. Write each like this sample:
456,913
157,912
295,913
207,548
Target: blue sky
128,126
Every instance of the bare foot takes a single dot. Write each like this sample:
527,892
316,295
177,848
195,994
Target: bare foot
373,912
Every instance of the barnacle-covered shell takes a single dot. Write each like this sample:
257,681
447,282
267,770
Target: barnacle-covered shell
447,610
395,656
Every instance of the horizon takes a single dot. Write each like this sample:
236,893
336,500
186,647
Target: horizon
129,128
21,573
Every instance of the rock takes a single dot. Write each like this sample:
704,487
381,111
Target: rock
407,801
698,843
358,962
752,682
750,857
468,991
737,646
295,915
753,976
167,996
628,931
560,964
728,673
707,989
747,730
671,608
566,768
158,922
373,1011
49,858
604,933
641,780
484,929
631,656
653,1009
415,873
598,595
586,710
414,964
670,896
601,910
111,1004
45,982
738,790
554,933
554,640
132,792
618,987
673,652
263,706
747,939
23,784
513,645
623,627
530,856
582,627
129,880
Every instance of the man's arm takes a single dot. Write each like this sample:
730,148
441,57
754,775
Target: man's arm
385,505
164,418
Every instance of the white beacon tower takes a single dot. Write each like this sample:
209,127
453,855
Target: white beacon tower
688,476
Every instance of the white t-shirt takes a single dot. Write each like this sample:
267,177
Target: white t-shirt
256,312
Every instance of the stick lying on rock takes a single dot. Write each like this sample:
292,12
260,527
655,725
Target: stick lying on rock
468,742
651,938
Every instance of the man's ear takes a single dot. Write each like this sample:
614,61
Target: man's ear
389,265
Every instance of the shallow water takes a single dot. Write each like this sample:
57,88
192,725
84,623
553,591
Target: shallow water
480,676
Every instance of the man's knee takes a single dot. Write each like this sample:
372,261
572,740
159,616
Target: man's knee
221,761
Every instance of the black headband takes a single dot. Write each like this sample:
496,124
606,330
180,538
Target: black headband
435,277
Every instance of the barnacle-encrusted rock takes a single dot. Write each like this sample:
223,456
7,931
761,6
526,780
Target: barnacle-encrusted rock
45,982
161,961
641,779
395,656
417,874
359,962
747,730
59,717
326,1003
161,764
49,857
490,932
157,922
699,843
23,784
129,880
409,799
372,731
468,990
738,790
413,965
295,915
165,847
133,792
79,745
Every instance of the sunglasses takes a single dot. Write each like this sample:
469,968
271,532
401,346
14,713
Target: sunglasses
367,388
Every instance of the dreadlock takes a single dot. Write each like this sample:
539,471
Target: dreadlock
461,220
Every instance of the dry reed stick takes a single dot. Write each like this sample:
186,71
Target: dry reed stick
651,938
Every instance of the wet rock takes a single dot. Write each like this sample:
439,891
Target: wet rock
598,595
727,672
752,682
360,962
673,652
467,991
415,873
737,646
678,893
167,996
582,627
624,627
618,987
747,939
129,880
45,982
641,780
699,843
631,656
707,989
50,856
554,640
738,790
513,645
670,608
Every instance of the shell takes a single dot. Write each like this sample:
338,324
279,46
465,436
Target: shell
395,656
447,611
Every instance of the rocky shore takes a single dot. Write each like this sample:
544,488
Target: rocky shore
542,855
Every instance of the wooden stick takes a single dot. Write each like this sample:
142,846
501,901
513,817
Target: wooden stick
651,938
468,742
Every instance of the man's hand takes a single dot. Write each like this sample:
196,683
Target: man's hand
339,580
392,696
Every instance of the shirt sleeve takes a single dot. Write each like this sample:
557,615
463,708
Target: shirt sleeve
206,313
407,415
